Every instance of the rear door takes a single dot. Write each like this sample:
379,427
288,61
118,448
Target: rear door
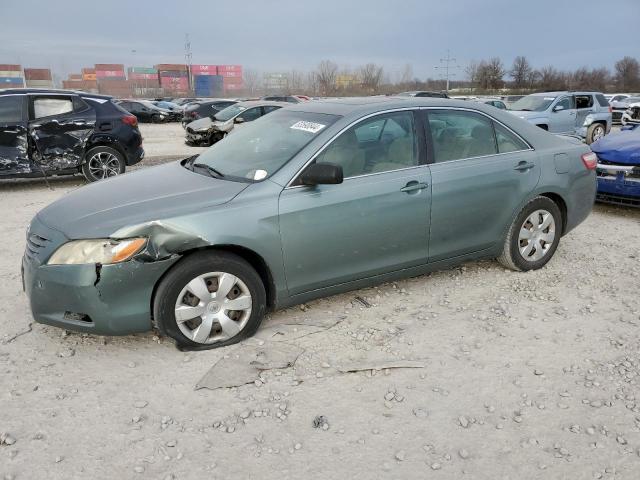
14,152
481,172
584,107
59,127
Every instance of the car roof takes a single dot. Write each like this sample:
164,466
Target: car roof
262,103
27,91
363,105
562,92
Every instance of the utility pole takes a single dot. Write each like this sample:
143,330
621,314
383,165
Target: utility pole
187,57
446,66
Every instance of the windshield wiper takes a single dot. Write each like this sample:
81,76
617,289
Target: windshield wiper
525,109
212,171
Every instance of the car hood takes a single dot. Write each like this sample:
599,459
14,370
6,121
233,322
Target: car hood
525,114
100,209
203,123
622,148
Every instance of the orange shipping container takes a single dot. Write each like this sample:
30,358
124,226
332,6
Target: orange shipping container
37,74
172,67
11,68
89,76
109,66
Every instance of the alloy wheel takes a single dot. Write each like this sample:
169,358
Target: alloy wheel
536,236
103,165
213,307
598,133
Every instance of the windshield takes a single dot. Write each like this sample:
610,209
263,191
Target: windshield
631,100
532,103
258,149
229,112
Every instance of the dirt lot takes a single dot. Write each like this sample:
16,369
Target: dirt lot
520,375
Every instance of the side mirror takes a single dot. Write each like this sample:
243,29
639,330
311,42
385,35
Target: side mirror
322,174
239,120
558,108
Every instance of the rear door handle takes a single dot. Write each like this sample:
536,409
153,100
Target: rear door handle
413,186
524,166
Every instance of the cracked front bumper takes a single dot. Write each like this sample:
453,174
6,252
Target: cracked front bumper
117,302
619,184
72,296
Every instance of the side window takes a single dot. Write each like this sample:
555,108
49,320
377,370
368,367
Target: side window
507,141
47,107
584,101
79,105
460,134
269,109
250,114
379,144
566,103
11,108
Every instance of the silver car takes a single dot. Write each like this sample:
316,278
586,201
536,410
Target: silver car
585,114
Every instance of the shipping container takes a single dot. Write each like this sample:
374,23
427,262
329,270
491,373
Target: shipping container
74,76
143,70
173,73
11,79
231,74
172,67
109,67
39,83
11,73
89,70
229,68
89,76
143,76
11,68
175,83
197,70
37,74
110,74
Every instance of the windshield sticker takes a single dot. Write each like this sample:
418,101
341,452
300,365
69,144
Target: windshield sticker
310,127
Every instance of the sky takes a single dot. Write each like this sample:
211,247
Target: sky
281,35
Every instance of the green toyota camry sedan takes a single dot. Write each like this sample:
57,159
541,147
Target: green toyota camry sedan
314,199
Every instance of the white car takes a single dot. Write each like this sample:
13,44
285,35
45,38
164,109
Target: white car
632,114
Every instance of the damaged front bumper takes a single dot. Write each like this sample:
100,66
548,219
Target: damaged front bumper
192,136
104,300
619,184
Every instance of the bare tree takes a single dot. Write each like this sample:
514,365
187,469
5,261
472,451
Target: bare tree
251,81
371,76
295,82
627,73
312,85
491,74
520,72
326,76
406,77
472,73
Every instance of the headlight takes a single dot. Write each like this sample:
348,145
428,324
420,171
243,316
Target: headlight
103,251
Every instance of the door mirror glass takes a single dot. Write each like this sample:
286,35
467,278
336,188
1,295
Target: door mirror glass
322,174
558,108
239,120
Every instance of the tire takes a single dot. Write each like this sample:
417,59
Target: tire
102,162
595,132
196,275
512,256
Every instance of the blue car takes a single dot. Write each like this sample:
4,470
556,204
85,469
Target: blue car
619,167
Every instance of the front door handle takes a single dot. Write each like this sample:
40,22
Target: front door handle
524,166
413,186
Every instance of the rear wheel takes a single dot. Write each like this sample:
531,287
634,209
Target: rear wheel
102,162
595,132
209,300
533,237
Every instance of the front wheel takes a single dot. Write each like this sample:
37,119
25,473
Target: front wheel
595,132
101,163
533,237
209,300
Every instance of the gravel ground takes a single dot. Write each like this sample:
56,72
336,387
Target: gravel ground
522,375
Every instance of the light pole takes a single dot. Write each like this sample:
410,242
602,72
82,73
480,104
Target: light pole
446,66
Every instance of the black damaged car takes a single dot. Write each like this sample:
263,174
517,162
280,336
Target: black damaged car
60,132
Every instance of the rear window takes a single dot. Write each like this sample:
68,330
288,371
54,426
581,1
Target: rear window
11,108
601,100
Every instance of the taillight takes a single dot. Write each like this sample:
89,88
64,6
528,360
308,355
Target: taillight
130,120
590,160
610,109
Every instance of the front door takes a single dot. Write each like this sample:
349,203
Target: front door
563,119
376,221
14,151
482,172
60,127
